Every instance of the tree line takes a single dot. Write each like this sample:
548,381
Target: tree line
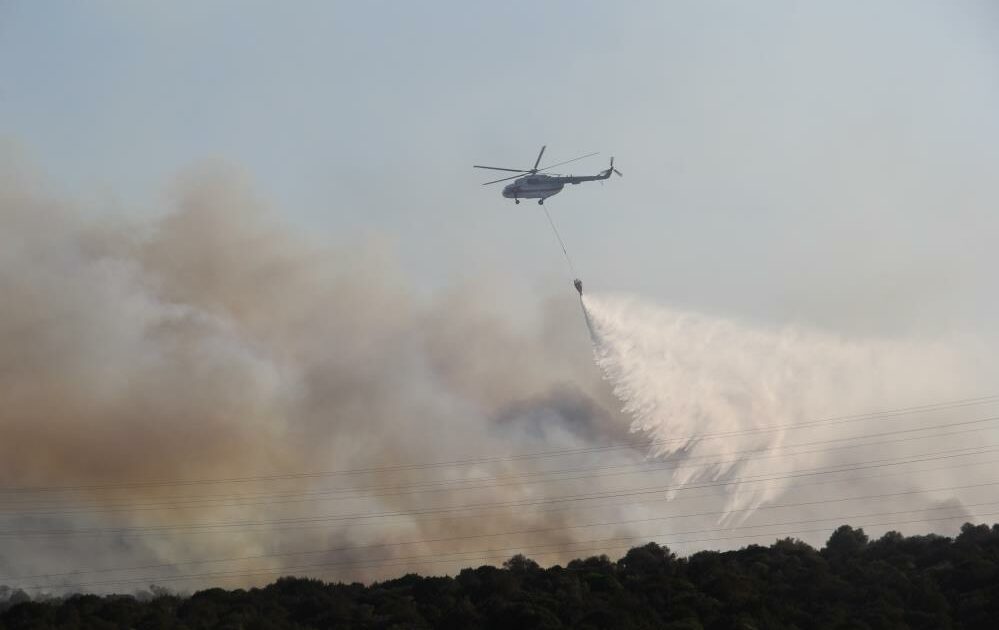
852,582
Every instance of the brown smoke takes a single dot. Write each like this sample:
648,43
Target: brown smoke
215,343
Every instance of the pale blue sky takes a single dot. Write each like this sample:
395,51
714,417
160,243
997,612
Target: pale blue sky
784,161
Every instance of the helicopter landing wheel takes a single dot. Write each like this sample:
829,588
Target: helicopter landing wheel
541,202
516,201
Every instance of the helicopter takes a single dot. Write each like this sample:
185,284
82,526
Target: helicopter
534,184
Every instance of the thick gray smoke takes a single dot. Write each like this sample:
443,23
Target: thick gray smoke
215,343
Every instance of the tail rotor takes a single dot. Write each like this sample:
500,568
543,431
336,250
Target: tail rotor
614,170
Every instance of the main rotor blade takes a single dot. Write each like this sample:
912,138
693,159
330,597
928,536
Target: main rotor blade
567,161
538,161
496,168
504,179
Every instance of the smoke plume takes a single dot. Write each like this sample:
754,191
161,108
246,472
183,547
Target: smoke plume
212,366
211,398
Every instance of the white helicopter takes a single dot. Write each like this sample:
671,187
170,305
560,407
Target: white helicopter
540,186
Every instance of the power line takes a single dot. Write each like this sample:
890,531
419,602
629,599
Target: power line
517,457
527,531
647,501
525,479
196,528
422,487
699,496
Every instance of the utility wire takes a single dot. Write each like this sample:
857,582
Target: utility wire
503,481
954,453
646,502
426,541
892,413
200,528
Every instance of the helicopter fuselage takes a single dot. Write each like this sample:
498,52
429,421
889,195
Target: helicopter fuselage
537,186
533,187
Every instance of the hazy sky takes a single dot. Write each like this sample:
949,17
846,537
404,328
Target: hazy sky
784,160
